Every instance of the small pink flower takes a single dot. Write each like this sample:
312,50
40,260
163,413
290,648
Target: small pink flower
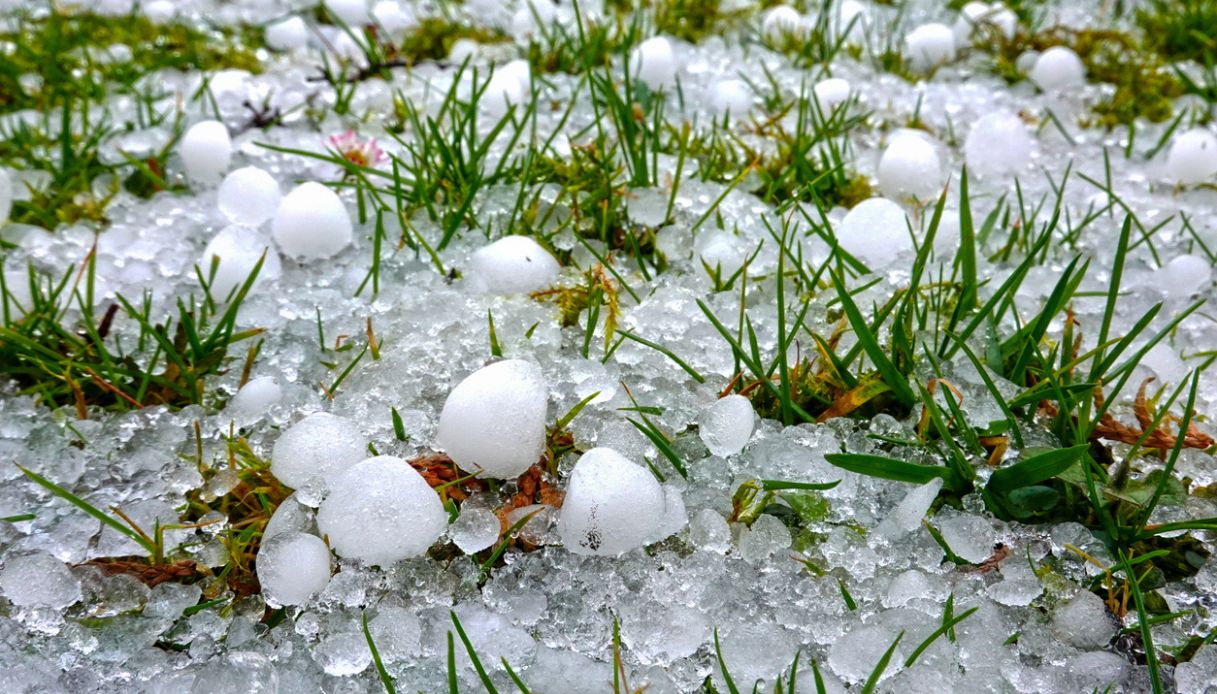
356,150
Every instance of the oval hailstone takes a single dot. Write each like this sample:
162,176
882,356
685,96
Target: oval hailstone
728,97
512,265
1184,276
910,167
238,249
781,21
831,93
611,505
1192,159
255,397
876,232
726,425
381,511
998,143
654,63
320,445
248,196
930,46
494,420
293,567
311,223
287,35
1058,68
206,151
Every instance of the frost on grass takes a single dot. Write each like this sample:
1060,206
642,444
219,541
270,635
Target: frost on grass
656,341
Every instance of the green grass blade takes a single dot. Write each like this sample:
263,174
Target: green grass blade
90,509
385,679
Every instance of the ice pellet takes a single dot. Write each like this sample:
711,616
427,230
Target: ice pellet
293,567
319,445
875,231
910,167
1193,157
236,250
206,150
1058,68
653,63
311,223
248,196
381,511
512,265
611,505
494,420
727,424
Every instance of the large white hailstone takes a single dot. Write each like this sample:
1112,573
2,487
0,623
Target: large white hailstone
781,21
494,420
237,250
159,11
876,232
930,46
462,50
1192,159
6,195
654,63
998,143
726,425
520,70
1058,68
392,16
512,265
1184,276
728,96
831,93
381,511
38,579
320,445
910,167
293,567
248,196
852,18
502,91
206,150
255,397
287,35
611,505
354,13
311,223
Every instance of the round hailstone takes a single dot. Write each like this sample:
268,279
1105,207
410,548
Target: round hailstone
1058,68
320,445
910,167
462,50
159,11
611,505
248,196
287,35
520,70
381,511
1184,276
501,92
238,250
6,195
311,223
206,150
293,567
1192,159
475,529
512,265
780,22
392,16
876,232
354,13
831,93
255,397
494,420
729,97
998,143
930,46
852,18
726,425
654,63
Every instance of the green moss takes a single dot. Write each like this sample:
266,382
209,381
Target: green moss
432,39
1180,29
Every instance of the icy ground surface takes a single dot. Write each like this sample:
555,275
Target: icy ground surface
67,626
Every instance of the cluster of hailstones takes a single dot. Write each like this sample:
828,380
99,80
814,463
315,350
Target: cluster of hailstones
380,510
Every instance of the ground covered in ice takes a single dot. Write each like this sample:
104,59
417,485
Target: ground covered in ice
673,346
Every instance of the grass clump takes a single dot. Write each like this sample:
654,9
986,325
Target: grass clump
80,56
1180,29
